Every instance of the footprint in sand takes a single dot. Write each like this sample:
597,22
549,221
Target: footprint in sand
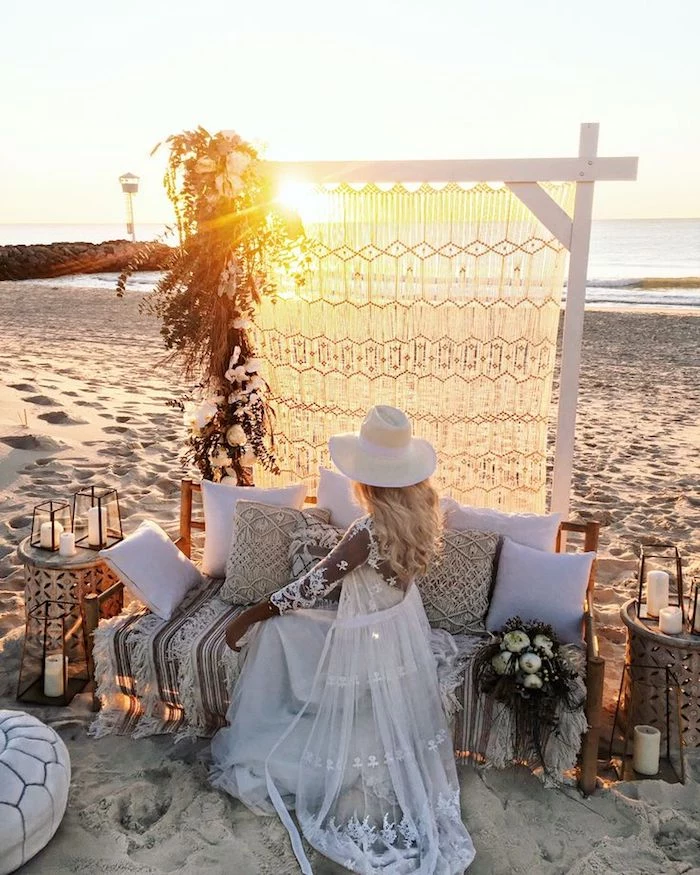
19,522
32,441
123,418
115,429
90,404
23,387
72,394
60,417
44,400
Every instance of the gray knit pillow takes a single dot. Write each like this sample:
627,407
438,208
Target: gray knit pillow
259,563
456,588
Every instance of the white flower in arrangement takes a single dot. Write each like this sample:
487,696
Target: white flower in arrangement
532,682
204,413
237,163
530,663
236,375
248,459
235,355
501,661
227,286
241,323
255,384
188,416
220,459
253,365
545,644
235,185
231,135
515,641
235,436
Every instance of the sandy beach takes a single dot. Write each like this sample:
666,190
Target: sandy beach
83,399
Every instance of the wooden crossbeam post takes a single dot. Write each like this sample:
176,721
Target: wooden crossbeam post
573,329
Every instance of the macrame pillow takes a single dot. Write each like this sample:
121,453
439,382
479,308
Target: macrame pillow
455,591
310,544
258,563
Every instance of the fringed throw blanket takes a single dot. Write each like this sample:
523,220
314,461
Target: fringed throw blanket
175,676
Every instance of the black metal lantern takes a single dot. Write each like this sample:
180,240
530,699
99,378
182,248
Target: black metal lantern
49,521
54,665
694,607
661,555
97,520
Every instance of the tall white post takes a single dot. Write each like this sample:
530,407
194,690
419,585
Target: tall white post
573,329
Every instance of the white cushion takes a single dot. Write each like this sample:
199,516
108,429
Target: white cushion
153,569
537,585
335,495
34,782
533,530
219,500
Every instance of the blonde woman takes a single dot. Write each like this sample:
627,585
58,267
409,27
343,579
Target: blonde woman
337,713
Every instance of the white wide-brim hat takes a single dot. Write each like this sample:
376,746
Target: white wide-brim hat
384,453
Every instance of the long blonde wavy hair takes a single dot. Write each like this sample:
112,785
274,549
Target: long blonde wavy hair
407,523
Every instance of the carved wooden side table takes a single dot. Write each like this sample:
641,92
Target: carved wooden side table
649,654
66,579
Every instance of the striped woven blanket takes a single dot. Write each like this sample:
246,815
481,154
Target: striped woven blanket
155,676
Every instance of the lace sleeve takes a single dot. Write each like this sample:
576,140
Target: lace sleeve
353,550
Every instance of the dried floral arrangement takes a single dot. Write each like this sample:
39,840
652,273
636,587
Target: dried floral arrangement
234,242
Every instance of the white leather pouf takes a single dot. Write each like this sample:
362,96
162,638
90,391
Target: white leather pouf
34,781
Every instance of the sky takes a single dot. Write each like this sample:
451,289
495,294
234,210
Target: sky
89,88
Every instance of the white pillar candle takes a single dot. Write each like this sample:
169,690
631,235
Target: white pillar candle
67,545
671,621
657,592
53,675
696,619
94,526
49,535
647,744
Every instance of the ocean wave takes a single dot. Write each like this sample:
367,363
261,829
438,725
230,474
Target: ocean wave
665,293
647,282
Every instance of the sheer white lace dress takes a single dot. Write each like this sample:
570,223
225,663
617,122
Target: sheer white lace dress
337,715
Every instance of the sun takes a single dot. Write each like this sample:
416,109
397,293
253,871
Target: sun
306,199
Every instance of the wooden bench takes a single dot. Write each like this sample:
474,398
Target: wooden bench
191,522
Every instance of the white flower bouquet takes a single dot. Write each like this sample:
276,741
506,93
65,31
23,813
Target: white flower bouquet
524,668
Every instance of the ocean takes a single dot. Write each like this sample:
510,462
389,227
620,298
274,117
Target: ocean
633,263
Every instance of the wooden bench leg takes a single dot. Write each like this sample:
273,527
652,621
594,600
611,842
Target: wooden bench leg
91,607
595,677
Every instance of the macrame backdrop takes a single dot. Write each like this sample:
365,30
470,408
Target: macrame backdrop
443,301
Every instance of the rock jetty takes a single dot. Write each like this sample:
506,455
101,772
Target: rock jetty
61,259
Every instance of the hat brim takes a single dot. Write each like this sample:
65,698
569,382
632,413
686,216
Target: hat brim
415,464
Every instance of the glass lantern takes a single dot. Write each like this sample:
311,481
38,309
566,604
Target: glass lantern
54,664
49,521
97,520
658,559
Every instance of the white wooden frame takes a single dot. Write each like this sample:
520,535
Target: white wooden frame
522,176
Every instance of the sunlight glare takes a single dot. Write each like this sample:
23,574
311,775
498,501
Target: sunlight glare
305,199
